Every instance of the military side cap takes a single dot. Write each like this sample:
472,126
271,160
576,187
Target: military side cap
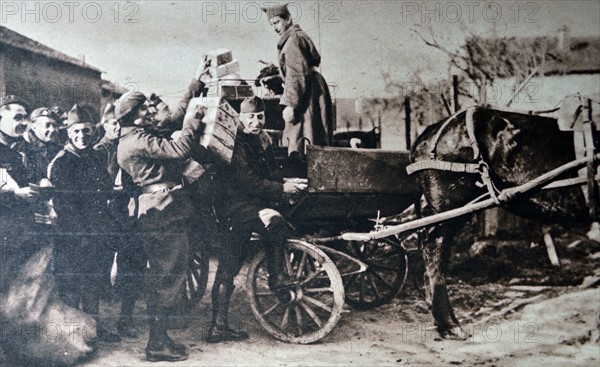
12,99
59,112
252,105
44,111
154,100
276,10
109,112
77,115
128,102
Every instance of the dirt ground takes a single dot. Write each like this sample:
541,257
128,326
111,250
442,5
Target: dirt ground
518,309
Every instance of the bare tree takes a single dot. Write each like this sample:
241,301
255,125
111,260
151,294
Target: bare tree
480,61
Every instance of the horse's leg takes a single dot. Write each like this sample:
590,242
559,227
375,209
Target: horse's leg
436,255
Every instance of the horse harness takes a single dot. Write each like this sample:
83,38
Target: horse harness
481,167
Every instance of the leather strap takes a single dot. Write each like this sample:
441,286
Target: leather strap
442,166
161,186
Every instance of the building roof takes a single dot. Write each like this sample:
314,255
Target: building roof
113,87
582,56
579,55
11,38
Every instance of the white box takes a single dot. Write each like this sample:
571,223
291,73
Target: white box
229,68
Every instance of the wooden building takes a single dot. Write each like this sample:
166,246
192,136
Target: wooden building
46,77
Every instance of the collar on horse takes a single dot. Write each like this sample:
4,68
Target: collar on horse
481,167
580,120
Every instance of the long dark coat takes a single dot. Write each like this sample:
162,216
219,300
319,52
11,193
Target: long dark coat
305,90
85,235
162,215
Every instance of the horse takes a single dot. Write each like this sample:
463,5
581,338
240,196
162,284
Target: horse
478,152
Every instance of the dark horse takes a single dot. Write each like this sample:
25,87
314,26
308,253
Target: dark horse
513,148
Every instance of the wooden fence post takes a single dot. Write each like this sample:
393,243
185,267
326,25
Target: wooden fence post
407,122
455,92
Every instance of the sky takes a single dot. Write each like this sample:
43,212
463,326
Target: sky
155,46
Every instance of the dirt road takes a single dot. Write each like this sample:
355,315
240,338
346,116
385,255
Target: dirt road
559,327
518,310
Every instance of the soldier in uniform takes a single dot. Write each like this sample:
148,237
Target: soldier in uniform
16,216
40,144
131,258
38,148
163,208
254,192
308,112
167,120
84,239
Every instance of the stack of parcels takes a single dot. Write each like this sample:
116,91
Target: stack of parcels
222,63
219,133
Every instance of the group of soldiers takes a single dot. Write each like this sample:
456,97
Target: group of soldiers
91,190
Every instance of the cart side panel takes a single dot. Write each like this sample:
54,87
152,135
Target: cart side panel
365,171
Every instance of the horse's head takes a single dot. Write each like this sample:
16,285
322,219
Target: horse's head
269,78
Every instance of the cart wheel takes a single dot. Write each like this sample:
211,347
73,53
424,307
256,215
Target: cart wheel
384,277
307,312
197,278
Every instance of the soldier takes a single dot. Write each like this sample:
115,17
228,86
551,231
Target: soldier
16,215
163,209
131,258
84,239
254,193
62,124
308,112
164,119
38,149
40,143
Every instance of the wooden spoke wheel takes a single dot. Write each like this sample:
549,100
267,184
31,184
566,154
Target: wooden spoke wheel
306,312
197,278
385,276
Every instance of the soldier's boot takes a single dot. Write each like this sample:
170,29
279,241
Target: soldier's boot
90,304
178,320
160,347
219,330
126,327
277,233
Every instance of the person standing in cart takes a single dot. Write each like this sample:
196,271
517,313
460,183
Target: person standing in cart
308,112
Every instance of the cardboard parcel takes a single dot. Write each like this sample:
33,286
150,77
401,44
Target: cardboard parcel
219,133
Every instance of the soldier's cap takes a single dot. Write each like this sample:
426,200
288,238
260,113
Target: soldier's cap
44,111
154,100
109,112
276,10
128,102
12,99
252,105
59,112
78,115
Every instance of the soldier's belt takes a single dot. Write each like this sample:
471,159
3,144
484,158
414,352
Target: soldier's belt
161,186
